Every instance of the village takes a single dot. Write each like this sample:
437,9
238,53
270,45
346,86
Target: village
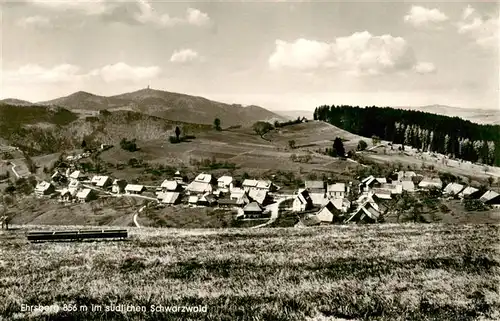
317,203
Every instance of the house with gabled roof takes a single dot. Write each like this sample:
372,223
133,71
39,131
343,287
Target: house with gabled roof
453,189
341,204
408,185
396,188
77,175
490,198
199,188
225,183
329,214
170,198
253,210
193,200
259,196
44,188
204,178
366,213
318,186
101,181
67,195
169,186
302,202
429,183
85,195
407,174
469,192
337,190
118,186
249,184
382,193
134,189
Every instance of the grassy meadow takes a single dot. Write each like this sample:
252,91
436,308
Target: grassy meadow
376,272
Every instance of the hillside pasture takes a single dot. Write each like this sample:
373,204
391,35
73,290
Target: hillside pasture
314,135
376,272
249,152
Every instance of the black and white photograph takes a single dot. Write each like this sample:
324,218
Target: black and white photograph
263,160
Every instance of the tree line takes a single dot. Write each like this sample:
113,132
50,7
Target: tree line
425,131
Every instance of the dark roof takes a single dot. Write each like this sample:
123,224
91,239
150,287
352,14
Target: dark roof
252,207
227,201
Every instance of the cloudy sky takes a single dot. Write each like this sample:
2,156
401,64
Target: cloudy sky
281,55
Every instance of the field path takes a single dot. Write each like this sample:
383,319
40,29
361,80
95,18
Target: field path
275,209
136,214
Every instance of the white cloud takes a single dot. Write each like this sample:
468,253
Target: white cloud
121,71
196,17
125,11
185,56
35,22
425,68
467,12
424,17
68,73
301,54
89,7
484,30
358,54
33,73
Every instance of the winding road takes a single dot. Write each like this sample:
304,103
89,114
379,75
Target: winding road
137,214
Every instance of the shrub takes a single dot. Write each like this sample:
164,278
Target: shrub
128,145
474,205
362,145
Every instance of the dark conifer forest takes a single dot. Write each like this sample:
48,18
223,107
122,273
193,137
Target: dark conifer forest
452,136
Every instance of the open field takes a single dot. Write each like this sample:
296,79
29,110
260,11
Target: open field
242,147
376,272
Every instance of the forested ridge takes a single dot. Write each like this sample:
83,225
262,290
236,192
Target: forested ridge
428,132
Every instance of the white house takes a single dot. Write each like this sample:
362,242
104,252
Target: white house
403,174
199,188
225,183
396,188
118,186
453,189
249,184
77,175
408,185
328,213
44,188
431,183
341,204
490,197
193,200
170,198
134,189
169,186
469,191
101,181
259,196
85,195
302,201
203,178
337,190
382,193
67,195
265,185
237,193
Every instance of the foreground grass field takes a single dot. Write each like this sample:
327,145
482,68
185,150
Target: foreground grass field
378,272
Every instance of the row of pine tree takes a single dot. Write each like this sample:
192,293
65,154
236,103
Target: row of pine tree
428,132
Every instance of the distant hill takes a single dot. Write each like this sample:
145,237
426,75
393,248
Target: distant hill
44,130
168,105
480,116
293,114
15,102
